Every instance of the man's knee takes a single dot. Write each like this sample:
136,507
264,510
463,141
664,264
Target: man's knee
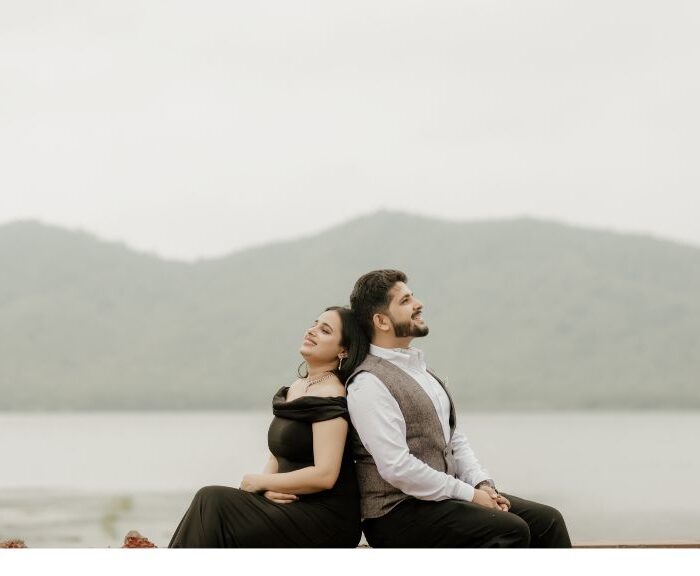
550,517
505,531
515,532
555,532
556,518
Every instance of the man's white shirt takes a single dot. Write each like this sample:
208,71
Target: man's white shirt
376,416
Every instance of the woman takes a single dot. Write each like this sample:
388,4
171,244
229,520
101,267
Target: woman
307,495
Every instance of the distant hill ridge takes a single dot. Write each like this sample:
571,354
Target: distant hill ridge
524,314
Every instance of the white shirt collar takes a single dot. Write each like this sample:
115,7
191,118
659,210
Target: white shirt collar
405,356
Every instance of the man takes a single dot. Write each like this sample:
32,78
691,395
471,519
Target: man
420,482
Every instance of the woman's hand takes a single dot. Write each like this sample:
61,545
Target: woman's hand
251,483
281,497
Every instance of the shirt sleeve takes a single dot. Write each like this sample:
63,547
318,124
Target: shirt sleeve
468,468
377,418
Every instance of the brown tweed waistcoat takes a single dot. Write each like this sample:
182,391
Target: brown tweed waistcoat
424,436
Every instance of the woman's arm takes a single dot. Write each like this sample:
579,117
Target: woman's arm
271,466
329,443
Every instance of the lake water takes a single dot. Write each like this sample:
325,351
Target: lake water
85,479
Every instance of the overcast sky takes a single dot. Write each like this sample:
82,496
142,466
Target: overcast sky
191,129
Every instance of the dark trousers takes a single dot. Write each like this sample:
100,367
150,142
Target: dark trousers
459,524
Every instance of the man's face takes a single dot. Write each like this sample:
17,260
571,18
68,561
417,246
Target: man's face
405,312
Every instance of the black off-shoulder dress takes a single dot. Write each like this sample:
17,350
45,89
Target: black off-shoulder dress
225,517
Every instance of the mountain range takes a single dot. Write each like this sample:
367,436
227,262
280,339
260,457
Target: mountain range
524,314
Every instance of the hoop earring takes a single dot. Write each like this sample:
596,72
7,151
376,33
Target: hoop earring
299,370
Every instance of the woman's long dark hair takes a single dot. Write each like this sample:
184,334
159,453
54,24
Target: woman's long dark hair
353,339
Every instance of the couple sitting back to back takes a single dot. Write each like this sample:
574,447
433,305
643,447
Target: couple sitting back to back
385,457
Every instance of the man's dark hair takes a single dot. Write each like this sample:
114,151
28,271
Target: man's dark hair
353,338
371,296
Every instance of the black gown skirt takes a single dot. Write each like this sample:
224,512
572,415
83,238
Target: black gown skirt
225,517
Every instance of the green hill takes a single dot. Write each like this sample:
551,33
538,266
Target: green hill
524,314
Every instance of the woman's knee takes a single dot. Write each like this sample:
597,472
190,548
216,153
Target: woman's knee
211,494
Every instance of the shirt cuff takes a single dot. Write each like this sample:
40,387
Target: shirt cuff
463,491
486,479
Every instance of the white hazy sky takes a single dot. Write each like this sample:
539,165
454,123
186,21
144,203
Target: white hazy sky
194,128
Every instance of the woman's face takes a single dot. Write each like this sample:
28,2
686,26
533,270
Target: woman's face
321,342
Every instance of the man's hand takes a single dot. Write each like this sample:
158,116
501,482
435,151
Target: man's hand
483,498
281,497
501,500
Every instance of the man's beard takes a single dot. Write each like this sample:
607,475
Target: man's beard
406,329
